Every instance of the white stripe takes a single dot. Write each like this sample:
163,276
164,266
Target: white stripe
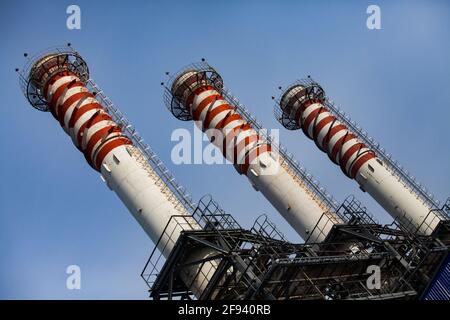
347,145
254,145
58,83
234,124
233,142
88,132
74,107
244,151
335,138
208,109
200,97
68,93
322,133
321,116
244,134
309,109
68,112
354,156
73,91
83,119
219,117
316,120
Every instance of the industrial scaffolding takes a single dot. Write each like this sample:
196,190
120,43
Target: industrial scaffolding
260,264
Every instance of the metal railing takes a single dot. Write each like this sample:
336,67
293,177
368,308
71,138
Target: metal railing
207,214
67,58
353,209
267,228
157,260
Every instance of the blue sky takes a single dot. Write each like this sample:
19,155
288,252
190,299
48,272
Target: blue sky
54,209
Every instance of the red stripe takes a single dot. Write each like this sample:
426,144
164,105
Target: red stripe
78,112
56,77
302,107
319,126
339,144
66,105
56,97
220,124
57,107
196,92
229,119
80,135
202,105
97,117
252,155
348,154
108,147
99,135
334,130
211,114
358,163
310,118
243,144
230,136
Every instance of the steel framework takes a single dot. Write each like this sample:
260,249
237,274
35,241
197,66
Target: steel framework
260,264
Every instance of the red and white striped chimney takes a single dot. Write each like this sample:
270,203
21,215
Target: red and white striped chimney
304,105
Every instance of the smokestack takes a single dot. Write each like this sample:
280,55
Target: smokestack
303,105
58,81
197,93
